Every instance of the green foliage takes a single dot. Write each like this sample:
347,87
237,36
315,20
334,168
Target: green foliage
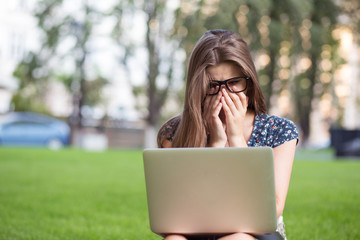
72,194
38,69
33,78
29,71
66,79
161,42
305,26
21,103
93,91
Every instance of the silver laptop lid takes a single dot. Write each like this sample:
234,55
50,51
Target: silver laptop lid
210,190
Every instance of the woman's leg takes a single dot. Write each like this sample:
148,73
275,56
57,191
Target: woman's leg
175,237
269,236
238,236
234,236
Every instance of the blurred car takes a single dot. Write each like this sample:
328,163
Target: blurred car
33,130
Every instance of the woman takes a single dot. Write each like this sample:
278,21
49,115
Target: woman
224,107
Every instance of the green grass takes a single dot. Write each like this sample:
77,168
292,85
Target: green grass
324,198
71,194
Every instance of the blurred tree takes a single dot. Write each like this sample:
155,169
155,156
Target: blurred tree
316,37
351,10
292,36
282,32
32,90
276,29
161,45
263,24
350,19
65,38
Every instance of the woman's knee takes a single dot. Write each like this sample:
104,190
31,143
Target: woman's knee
175,237
238,236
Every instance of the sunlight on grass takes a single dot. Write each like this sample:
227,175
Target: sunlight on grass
71,194
323,201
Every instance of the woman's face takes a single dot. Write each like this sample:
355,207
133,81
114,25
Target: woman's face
222,72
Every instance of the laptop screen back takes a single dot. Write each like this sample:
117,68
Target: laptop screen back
210,190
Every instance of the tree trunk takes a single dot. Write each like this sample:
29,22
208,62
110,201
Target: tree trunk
152,91
305,102
270,71
150,137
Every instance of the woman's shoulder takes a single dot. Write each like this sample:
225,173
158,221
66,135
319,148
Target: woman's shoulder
278,129
167,131
274,121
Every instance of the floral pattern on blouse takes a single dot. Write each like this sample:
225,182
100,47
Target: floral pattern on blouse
268,131
272,131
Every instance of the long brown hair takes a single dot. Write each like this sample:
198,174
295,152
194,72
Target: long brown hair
213,48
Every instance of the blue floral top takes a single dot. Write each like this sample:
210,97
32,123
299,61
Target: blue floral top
268,131
272,131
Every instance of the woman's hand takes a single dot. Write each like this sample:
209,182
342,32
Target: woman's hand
214,125
235,107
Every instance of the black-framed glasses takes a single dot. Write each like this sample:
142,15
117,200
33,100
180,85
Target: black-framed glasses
234,85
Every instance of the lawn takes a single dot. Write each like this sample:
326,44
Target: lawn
71,194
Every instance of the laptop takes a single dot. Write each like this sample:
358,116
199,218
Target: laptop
210,190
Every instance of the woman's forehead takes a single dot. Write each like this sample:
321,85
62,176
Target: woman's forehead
224,70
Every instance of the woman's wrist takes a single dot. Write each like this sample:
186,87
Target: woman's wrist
237,142
217,143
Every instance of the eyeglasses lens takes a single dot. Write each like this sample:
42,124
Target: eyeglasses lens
213,87
234,85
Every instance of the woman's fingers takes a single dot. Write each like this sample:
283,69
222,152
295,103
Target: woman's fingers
208,106
217,111
235,108
228,101
244,99
236,101
211,109
214,125
215,101
225,106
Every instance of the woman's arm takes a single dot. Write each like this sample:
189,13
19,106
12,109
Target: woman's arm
283,161
166,144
